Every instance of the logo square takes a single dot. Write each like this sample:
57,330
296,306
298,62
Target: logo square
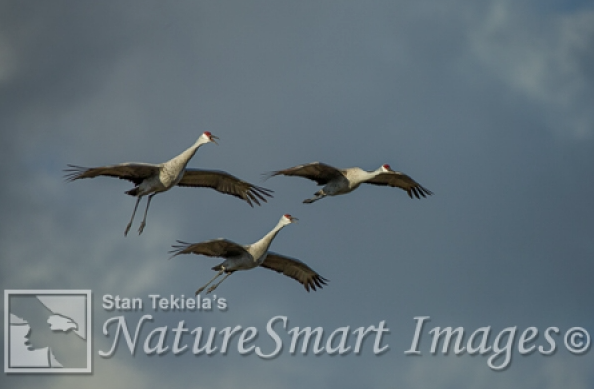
47,331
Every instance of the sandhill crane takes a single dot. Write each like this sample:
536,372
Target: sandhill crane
245,257
342,181
150,179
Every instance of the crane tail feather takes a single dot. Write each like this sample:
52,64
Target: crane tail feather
133,191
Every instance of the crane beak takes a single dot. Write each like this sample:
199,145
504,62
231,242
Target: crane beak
294,220
212,139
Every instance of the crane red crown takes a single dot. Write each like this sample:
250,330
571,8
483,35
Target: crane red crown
287,216
386,166
207,133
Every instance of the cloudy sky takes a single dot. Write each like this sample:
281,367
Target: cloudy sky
486,103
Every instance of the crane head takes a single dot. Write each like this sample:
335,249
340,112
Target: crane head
210,137
386,168
289,219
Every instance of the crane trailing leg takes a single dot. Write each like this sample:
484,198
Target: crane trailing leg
319,195
208,283
133,213
143,223
217,284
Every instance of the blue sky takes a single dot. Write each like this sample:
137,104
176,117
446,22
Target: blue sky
485,103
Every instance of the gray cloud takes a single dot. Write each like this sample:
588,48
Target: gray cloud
486,104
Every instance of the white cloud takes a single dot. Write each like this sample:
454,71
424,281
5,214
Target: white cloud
119,375
543,56
550,372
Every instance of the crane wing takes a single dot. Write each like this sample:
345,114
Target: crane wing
295,269
131,171
225,183
315,171
400,180
212,248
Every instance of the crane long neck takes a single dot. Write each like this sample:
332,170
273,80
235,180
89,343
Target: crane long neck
267,239
375,172
359,175
187,154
